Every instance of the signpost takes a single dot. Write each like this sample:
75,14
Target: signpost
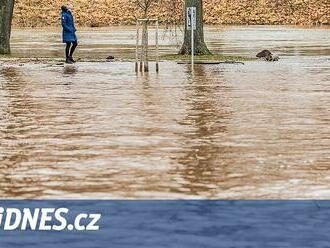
191,25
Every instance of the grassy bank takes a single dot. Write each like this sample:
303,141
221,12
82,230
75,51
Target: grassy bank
167,57
213,57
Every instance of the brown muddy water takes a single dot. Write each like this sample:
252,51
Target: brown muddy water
98,130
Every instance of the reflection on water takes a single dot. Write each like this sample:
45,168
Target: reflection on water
207,113
97,130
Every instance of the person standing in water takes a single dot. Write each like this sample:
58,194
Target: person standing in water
69,32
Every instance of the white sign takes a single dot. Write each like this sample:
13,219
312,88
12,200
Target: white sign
191,18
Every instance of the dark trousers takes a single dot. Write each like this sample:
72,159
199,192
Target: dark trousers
70,48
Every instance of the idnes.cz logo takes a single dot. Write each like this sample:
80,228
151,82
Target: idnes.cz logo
46,219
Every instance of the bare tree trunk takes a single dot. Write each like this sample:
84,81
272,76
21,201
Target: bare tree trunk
6,15
199,43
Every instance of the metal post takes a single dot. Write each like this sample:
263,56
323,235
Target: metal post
192,48
191,25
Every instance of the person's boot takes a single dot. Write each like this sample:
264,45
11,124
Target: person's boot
72,60
68,60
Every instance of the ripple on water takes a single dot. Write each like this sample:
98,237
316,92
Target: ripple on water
99,131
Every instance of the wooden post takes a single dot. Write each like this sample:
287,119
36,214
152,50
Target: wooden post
145,47
141,52
137,48
157,47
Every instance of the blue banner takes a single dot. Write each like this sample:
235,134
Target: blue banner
150,224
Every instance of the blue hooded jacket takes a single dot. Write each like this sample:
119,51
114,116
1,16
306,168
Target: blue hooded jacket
69,30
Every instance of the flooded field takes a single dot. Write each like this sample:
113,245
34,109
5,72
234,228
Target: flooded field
98,130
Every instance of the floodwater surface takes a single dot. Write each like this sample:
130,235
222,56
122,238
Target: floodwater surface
229,131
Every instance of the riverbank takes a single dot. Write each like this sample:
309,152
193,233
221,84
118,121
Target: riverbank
123,12
168,57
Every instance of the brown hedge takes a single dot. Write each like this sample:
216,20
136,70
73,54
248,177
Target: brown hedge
33,13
